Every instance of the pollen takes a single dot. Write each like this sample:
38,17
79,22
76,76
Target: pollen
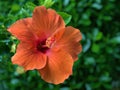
50,42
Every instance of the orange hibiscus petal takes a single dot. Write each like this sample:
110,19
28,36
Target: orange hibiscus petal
20,29
28,57
69,41
46,21
58,67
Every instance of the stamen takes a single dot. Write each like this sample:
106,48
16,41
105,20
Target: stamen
50,41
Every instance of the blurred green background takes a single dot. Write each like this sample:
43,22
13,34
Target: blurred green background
98,67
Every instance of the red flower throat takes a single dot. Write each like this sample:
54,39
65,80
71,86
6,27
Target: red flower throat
44,45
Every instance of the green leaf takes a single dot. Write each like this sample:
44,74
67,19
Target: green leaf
97,6
95,48
115,40
15,7
30,5
86,45
48,3
99,36
67,18
89,61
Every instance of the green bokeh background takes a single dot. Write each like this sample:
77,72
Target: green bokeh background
98,67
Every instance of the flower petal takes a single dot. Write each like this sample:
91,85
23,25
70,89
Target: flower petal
46,21
28,57
58,67
20,29
69,41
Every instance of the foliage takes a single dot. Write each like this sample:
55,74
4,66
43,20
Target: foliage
67,18
98,67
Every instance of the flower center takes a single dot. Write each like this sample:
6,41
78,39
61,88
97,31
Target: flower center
45,45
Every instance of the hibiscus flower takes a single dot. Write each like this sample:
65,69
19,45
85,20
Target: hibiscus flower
46,45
